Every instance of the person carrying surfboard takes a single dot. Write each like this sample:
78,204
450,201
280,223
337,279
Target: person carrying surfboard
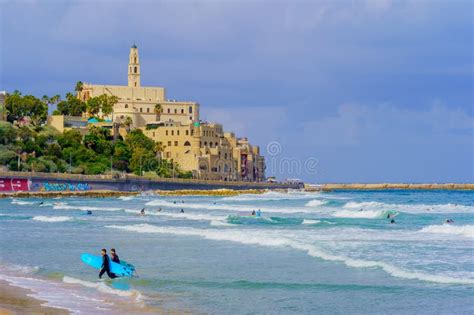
115,257
105,268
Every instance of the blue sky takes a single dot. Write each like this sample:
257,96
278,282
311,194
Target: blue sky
373,91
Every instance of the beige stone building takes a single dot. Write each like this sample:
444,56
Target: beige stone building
203,148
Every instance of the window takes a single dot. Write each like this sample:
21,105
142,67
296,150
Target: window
141,109
135,69
121,116
148,110
169,110
176,143
182,111
190,118
205,143
187,132
126,105
166,132
130,69
175,111
135,60
225,156
190,109
192,132
135,83
177,132
210,144
187,144
169,143
216,144
172,132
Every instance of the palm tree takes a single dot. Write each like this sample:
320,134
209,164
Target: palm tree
79,86
128,122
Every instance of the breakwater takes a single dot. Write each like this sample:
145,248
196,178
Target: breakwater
399,186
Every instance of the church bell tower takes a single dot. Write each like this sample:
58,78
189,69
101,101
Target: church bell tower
134,67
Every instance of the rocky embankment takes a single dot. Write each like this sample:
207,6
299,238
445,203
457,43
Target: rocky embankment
385,186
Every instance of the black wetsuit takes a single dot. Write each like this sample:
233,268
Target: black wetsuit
106,267
116,259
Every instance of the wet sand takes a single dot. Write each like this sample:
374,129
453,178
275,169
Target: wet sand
15,300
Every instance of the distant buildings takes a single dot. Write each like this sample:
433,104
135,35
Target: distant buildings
203,148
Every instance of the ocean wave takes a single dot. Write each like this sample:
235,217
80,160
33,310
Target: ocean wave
126,198
102,287
315,203
309,221
52,219
227,207
256,237
463,230
219,223
271,195
366,214
186,215
84,208
410,208
22,202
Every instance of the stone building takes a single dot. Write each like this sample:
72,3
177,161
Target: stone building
203,148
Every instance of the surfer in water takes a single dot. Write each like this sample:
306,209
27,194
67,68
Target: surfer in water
115,257
89,212
182,210
258,214
142,212
253,212
105,268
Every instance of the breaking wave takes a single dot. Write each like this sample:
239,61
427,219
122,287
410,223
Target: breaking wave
366,214
22,202
255,237
463,230
52,219
409,208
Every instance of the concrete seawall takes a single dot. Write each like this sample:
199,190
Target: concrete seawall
47,182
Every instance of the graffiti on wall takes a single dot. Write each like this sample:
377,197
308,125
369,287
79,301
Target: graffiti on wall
14,184
66,187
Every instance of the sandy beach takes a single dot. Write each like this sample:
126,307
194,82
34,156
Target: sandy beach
15,300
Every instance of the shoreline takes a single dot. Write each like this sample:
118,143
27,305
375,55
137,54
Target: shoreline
16,300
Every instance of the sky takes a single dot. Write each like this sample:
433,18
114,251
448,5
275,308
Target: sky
331,91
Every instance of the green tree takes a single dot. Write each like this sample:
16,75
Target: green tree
93,106
7,132
19,106
71,106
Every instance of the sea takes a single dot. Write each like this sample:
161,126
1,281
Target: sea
308,253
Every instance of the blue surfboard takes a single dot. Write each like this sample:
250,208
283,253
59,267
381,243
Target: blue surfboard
96,262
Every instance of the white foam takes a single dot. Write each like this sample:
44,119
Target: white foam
271,195
274,239
220,223
22,202
411,208
315,203
52,219
102,287
366,214
463,230
84,208
308,221
227,207
126,198
186,215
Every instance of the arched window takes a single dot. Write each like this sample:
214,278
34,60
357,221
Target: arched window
187,144
182,111
216,144
126,105
205,143
190,109
136,69
130,69
135,59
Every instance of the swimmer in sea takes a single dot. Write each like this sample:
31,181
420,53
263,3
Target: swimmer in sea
182,211
392,221
142,212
